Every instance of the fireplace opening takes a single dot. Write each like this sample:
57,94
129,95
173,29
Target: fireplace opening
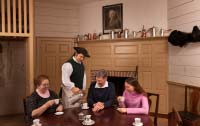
119,84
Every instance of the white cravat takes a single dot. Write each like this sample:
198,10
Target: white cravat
104,86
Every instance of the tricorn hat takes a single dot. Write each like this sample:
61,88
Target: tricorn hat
82,51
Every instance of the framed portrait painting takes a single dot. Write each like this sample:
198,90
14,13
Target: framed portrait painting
112,18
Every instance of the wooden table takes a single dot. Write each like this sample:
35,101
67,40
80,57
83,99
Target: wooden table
106,117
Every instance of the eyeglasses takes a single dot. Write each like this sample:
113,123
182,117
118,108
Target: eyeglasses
45,85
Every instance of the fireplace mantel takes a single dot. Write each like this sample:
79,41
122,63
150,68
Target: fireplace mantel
123,39
149,54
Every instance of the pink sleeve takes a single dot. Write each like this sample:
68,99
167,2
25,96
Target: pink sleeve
143,110
122,104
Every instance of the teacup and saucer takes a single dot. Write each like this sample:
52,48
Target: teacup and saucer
81,116
36,122
88,120
137,122
85,106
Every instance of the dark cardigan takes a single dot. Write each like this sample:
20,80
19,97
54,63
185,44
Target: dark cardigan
105,95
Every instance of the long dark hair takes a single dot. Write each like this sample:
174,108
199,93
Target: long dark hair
134,82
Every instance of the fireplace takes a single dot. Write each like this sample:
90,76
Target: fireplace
119,84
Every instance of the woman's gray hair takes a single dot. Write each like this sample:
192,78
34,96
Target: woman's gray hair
101,73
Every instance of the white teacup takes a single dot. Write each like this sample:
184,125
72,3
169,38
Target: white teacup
56,101
36,121
85,105
122,98
81,116
87,118
137,120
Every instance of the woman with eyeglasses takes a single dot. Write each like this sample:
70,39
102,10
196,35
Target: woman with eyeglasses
43,100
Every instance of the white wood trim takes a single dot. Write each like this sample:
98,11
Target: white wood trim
20,16
14,16
25,16
3,15
8,16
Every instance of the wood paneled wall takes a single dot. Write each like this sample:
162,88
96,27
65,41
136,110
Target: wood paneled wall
51,54
56,19
151,55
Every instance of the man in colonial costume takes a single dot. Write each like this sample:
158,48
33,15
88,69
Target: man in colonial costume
74,78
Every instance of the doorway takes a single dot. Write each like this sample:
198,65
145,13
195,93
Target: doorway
12,75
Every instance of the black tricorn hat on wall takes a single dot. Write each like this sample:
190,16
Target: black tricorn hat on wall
82,51
178,38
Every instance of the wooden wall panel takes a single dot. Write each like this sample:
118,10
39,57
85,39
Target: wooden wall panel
146,60
50,48
63,48
176,97
51,54
100,50
146,48
163,106
146,80
126,49
122,62
101,62
50,68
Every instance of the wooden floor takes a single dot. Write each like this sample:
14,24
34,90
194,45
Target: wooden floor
18,120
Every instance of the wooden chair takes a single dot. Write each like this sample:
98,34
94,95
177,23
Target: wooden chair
136,72
191,117
176,118
155,113
25,108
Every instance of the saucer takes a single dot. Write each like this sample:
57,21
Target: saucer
90,123
85,107
139,124
59,113
36,125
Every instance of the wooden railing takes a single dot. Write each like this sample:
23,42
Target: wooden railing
15,17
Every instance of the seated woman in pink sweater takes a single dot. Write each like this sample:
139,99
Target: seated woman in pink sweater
134,100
